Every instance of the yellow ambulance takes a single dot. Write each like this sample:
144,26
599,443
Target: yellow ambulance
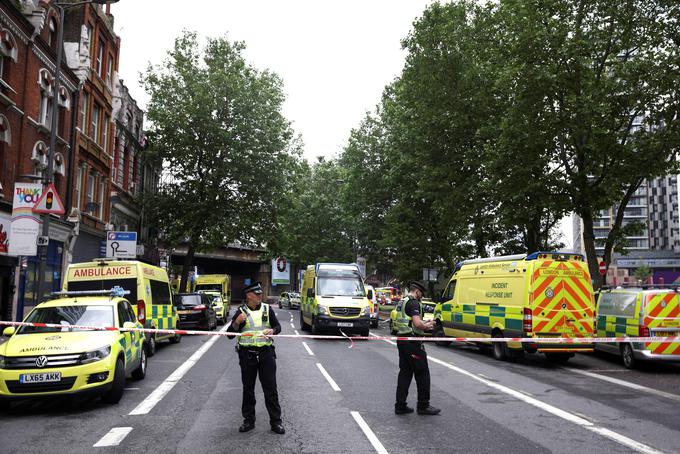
148,286
333,296
544,294
637,312
215,283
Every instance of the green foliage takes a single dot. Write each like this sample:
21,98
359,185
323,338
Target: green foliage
227,150
642,273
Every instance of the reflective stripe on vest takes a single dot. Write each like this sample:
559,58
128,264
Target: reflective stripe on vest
256,321
404,323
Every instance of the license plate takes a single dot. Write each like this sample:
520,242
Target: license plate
45,377
664,334
672,323
345,324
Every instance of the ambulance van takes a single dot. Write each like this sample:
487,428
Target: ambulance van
149,292
333,296
215,283
637,312
544,294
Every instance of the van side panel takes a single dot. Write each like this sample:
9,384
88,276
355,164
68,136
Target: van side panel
561,298
662,317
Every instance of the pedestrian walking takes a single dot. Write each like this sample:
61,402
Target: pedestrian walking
257,355
412,355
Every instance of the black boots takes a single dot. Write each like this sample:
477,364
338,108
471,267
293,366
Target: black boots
246,426
429,410
402,409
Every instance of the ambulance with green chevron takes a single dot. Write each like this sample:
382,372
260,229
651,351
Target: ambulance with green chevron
544,294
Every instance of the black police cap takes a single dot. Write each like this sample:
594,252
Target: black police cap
417,285
256,288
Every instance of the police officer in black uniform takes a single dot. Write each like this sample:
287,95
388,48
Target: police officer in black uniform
412,356
256,355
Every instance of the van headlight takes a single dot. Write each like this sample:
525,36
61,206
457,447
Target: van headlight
3,362
95,355
323,310
366,310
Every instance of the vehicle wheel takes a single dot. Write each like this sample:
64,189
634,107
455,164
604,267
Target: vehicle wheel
364,332
151,345
627,355
114,395
439,332
140,372
315,327
500,349
558,358
176,339
303,326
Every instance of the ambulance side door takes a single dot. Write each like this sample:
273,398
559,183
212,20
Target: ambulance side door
449,306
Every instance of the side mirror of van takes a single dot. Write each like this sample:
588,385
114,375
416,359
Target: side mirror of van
9,331
370,295
310,293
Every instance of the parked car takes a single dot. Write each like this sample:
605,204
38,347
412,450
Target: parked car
284,300
294,300
195,310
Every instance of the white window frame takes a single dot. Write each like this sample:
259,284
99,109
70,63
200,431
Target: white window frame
102,188
109,70
91,184
105,132
84,109
45,110
100,57
79,186
94,122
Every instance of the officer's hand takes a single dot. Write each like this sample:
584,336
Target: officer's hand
241,318
268,332
430,324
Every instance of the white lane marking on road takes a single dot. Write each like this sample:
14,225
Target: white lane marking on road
309,350
131,389
164,388
114,437
627,384
292,325
296,333
379,448
621,439
328,377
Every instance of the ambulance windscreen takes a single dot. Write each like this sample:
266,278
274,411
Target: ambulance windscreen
106,284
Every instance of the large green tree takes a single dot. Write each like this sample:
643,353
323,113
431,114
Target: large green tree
227,149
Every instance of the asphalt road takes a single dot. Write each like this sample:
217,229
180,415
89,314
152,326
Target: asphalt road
337,399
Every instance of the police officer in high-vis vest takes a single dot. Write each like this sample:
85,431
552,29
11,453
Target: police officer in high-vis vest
256,355
412,356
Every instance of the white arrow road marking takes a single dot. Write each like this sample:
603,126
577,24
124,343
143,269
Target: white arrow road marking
114,437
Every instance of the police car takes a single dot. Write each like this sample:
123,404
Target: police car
39,361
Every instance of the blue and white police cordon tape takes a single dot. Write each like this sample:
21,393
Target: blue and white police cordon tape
529,340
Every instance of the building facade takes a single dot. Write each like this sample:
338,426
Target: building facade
28,40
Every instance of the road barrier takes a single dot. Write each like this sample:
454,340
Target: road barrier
343,336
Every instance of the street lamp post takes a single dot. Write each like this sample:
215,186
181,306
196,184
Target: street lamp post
47,180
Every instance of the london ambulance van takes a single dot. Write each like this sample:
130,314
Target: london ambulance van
637,312
333,296
149,292
544,294
216,283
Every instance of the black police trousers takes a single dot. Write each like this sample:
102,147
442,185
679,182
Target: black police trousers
413,361
262,361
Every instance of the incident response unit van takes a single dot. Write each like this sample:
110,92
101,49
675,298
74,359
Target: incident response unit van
215,282
333,296
544,294
636,312
149,292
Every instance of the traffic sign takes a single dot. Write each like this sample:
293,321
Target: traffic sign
603,268
49,202
121,245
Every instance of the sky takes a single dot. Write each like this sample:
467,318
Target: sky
335,57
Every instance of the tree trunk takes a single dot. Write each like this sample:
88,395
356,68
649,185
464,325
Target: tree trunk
188,262
532,240
589,246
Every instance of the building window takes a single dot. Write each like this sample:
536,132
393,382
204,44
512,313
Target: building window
39,157
45,116
84,107
105,133
102,189
100,57
109,70
79,186
5,131
94,131
8,50
52,37
89,196
2,67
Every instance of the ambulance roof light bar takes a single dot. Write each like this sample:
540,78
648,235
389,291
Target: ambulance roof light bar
116,291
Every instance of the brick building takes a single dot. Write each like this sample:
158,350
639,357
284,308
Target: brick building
28,39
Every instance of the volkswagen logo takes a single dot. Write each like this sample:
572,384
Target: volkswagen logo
41,361
549,292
